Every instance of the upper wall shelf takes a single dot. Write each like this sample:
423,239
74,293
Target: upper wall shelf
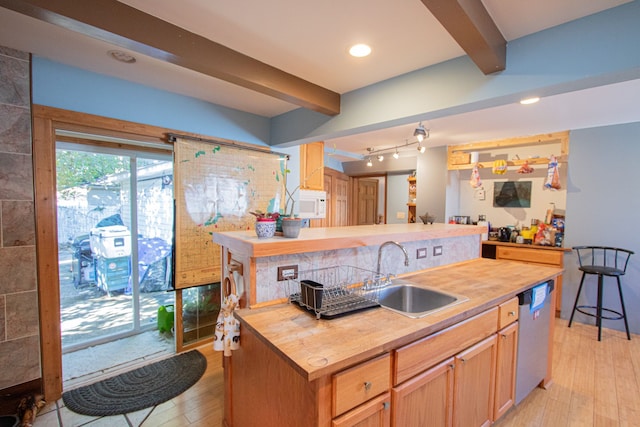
459,156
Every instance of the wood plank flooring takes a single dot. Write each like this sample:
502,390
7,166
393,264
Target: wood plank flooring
596,384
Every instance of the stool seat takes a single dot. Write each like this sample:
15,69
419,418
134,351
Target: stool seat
605,271
602,261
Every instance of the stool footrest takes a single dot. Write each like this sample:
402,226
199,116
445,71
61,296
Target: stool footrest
581,309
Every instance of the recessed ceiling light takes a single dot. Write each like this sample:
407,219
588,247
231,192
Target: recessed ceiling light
121,56
360,50
531,100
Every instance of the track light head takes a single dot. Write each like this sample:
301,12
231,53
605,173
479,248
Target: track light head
369,164
380,157
421,133
396,155
421,148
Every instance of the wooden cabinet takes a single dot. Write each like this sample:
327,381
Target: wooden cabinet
458,391
375,413
312,166
532,254
336,185
507,351
426,399
473,384
411,204
361,383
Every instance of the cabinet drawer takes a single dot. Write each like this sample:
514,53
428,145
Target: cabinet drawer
420,355
540,256
507,312
361,383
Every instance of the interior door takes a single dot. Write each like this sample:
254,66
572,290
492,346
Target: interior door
367,201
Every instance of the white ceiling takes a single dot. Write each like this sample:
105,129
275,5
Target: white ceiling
311,40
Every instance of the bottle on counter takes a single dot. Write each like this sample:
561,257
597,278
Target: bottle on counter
482,221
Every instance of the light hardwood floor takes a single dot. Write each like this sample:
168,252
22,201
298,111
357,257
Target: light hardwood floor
595,384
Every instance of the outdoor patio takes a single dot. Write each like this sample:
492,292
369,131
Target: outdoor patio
87,313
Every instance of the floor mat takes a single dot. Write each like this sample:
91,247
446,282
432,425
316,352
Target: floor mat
140,388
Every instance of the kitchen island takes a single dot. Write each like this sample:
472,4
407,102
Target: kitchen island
255,262
294,370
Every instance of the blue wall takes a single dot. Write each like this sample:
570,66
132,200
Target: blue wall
602,209
70,88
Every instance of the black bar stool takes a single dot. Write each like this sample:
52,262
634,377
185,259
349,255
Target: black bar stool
602,261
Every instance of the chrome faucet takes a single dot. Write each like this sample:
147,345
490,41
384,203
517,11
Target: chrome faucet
406,256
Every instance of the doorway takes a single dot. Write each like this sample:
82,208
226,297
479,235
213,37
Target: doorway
114,213
370,203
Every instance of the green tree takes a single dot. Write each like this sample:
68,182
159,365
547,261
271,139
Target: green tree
76,168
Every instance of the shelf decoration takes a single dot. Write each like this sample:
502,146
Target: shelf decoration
462,157
553,178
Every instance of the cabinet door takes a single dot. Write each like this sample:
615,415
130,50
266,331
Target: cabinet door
375,413
426,399
474,384
341,199
312,166
506,370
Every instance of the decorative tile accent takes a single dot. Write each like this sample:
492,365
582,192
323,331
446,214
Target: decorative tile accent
15,129
18,224
23,355
16,177
18,267
14,81
22,315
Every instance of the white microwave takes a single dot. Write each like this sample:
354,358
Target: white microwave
312,204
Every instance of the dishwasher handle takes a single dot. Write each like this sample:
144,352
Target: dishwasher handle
525,297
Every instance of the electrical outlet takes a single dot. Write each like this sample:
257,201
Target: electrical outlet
287,272
437,250
421,253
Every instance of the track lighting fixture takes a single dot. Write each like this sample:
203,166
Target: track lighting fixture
369,164
421,133
380,157
396,155
421,148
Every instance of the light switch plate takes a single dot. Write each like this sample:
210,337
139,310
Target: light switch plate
421,253
437,250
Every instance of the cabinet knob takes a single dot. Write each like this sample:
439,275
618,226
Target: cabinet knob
367,385
504,336
385,405
463,360
512,313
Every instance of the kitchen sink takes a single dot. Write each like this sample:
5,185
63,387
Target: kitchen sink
415,301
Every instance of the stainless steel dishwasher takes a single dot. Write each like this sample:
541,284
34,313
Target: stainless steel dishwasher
533,338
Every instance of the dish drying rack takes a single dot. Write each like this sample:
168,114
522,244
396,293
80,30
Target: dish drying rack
335,291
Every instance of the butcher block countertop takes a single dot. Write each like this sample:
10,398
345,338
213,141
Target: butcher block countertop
316,348
331,238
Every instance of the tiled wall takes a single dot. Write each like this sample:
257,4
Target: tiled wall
19,331
454,249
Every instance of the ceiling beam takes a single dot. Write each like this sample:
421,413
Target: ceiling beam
472,28
130,28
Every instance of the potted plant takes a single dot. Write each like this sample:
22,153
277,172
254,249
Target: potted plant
288,223
265,223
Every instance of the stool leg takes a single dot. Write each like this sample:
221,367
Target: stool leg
599,307
575,304
624,312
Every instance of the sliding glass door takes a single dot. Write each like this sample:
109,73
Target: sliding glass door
115,233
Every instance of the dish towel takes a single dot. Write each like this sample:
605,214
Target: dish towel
227,333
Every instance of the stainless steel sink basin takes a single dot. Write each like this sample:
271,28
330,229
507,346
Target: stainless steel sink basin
415,301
